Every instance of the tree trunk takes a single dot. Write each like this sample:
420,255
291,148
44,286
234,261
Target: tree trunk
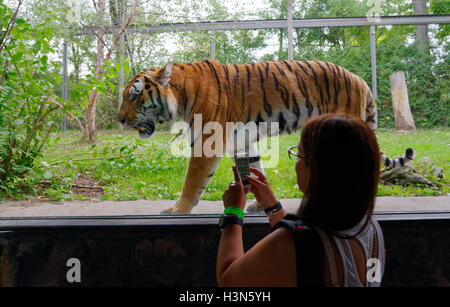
420,8
100,33
90,112
90,117
100,6
403,117
280,48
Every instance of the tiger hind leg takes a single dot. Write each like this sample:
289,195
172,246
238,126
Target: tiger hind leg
397,161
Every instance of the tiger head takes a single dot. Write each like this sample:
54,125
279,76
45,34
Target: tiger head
145,101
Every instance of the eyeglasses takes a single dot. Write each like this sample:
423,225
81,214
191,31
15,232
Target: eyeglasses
293,153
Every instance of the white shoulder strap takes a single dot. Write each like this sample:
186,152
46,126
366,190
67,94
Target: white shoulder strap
330,257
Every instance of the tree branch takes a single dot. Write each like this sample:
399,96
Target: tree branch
92,29
122,30
92,159
78,122
9,27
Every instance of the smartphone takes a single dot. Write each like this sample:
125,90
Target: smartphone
242,164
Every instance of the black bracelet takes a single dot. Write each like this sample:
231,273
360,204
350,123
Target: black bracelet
275,208
227,219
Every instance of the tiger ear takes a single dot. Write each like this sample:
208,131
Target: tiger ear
163,76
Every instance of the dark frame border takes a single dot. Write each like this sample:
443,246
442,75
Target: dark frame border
22,223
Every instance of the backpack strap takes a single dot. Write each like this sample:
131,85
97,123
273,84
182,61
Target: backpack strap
330,257
375,241
309,252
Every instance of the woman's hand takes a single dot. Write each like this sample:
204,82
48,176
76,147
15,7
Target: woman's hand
234,195
260,187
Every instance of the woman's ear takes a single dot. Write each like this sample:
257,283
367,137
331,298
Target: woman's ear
162,77
303,175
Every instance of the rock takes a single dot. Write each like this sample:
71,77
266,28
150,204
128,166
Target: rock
404,175
426,160
438,172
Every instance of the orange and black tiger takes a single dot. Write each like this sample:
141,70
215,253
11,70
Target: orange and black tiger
285,92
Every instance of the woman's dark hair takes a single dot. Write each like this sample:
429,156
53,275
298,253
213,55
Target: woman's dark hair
343,157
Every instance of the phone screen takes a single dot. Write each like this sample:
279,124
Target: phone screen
242,163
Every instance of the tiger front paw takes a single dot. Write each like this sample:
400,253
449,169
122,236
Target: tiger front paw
169,211
178,208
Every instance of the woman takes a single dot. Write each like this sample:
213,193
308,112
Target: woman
337,169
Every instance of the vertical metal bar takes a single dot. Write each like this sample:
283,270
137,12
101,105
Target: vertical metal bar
65,79
290,31
121,71
373,56
213,46
121,53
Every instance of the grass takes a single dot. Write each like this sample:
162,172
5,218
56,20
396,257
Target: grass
130,168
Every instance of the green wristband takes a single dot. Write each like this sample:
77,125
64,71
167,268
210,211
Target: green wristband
234,210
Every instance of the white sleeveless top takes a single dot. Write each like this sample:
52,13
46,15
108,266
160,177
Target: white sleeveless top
373,246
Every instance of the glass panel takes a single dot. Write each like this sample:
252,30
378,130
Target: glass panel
47,172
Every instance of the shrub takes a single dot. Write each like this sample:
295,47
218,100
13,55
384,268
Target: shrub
29,109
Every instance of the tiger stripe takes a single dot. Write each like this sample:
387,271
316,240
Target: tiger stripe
318,87
301,67
327,84
266,104
248,76
236,78
281,71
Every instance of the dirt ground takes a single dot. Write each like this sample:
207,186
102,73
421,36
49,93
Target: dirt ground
87,187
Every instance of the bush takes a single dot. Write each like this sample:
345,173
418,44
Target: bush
29,109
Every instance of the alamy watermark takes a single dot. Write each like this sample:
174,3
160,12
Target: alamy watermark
374,13
373,270
74,273
76,10
212,139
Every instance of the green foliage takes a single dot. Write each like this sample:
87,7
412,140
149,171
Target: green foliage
29,109
441,7
231,47
107,88
427,81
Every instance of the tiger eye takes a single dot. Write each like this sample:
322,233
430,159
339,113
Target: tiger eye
147,86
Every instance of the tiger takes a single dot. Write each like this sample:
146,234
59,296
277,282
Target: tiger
284,91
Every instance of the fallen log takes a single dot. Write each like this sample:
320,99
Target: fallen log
404,175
